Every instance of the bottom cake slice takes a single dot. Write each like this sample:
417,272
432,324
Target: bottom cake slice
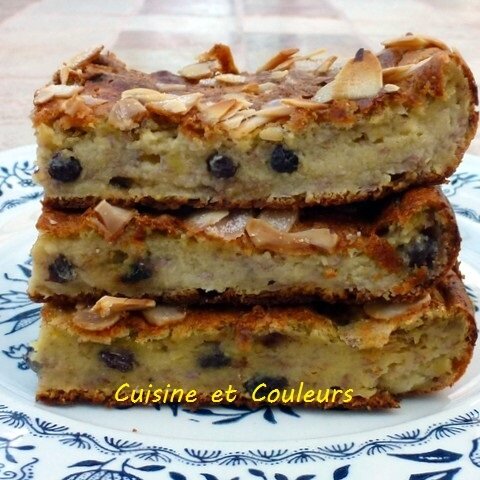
370,355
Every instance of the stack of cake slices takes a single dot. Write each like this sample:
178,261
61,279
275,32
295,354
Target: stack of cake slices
268,232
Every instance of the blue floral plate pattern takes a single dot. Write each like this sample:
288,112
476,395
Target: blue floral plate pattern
431,438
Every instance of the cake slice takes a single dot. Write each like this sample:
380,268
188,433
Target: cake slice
392,249
371,355
302,130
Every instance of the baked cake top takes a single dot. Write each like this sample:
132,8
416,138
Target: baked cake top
212,97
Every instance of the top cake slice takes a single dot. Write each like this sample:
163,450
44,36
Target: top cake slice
302,130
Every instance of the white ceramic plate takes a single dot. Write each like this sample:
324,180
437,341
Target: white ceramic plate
430,438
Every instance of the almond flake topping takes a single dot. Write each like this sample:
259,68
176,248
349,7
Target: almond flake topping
395,74
276,111
272,134
278,59
107,305
278,74
231,78
196,71
93,322
114,219
248,125
126,113
45,94
108,311
146,95
230,227
91,101
84,57
181,104
302,103
414,42
264,236
164,314
202,219
213,113
171,87
390,88
383,310
360,77
281,220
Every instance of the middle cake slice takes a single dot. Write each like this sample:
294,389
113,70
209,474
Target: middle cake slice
394,248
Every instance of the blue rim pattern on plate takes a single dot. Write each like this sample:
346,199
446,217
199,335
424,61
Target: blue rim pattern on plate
19,458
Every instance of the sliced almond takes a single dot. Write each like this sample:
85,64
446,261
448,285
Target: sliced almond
266,87
264,236
92,321
91,101
215,112
64,74
278,59
360,77
181,104
45,94
314,54
249,125
84,57
146,95
126,113
107,305
164,314
281,220
207,82
286,65
196,71
395,74
231,227
413,42
222,56
272,134
239,97
383,310
276,111
113,218
171,87
326,65
302,103
235,121
231,78
202,219
278,74
390,88
75,107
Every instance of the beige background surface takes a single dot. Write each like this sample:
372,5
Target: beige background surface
36,35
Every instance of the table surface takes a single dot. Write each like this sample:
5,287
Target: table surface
37,35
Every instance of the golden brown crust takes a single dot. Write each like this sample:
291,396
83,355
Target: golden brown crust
371,219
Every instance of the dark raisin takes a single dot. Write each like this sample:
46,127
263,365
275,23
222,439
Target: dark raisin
422,251
221,166
64,168
283,160
214,357
137,272
359,55
272,383
119,359
61,270
121,182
